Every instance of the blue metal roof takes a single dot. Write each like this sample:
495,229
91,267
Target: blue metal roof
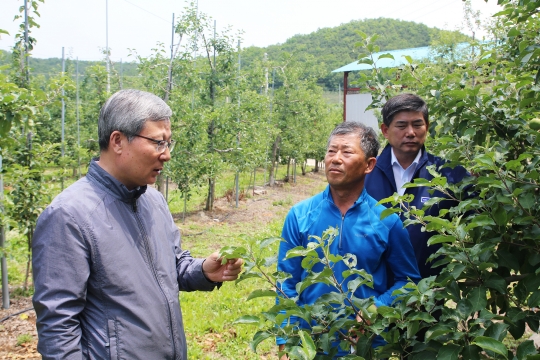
418,53
399,59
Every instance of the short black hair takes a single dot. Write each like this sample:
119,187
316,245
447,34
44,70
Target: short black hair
404,102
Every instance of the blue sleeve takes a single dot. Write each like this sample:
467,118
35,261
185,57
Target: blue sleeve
291,239
401,260
61,268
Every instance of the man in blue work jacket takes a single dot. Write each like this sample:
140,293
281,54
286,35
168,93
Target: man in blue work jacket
379,245
405,158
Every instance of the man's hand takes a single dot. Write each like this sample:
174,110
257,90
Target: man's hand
214,271
284,356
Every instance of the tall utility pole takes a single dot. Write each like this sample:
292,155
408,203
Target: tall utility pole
107,46
63,110
169,74
121,74
168,90
78,123
26,57
3,260
237,177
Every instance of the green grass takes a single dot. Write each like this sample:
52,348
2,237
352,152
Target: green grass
24,338
209,317
225,183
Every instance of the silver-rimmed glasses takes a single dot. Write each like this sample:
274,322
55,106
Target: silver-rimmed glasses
161,144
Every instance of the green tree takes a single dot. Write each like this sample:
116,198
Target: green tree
490,283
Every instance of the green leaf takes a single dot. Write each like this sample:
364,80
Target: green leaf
307,344
513,32
464,308
258,337
269,241
261,293
527,200
478,298
534,299
499,214
247,319
231,252
507,259
386,56
525,348
496,282
297,251
438,239
471,352
480,221
387,212
449,352
496,331
490,344
422,316
437,330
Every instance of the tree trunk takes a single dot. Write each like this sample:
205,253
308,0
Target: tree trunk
29,237
160,184
316,168
272,179
303,167
210,197
287,177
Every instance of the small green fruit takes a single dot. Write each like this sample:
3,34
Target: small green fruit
535,124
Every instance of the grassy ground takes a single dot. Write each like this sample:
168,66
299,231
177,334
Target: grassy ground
209,317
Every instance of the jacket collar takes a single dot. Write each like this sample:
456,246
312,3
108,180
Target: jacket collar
99,176
328,196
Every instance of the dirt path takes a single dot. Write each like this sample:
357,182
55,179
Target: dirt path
255,208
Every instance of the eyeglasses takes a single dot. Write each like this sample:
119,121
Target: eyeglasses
161,144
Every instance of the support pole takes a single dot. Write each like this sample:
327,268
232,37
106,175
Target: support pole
345,86
78,123
63,112
3,260
26,55
107,46
237,178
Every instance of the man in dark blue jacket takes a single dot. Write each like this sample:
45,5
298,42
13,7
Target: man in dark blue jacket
405,126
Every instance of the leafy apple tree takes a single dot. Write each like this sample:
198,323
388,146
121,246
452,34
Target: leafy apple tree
482,106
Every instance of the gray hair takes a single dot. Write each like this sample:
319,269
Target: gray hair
369,142
127,111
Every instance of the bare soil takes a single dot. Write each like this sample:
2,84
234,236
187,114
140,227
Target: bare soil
259,207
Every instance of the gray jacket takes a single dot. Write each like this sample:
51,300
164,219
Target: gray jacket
107,270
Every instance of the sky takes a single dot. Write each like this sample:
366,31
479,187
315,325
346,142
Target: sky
80,25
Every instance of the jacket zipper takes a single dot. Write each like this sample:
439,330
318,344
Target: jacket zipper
341,230
154,272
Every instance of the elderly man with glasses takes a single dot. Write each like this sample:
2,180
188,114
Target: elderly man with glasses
107,258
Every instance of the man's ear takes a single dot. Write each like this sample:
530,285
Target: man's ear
370,164
384,130
117,141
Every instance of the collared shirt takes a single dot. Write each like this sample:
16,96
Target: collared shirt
401,175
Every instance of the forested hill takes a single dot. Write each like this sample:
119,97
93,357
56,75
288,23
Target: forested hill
321,51
334,47
53,66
